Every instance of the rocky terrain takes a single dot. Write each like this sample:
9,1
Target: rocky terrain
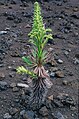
16,17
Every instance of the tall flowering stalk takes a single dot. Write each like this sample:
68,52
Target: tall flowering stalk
38,56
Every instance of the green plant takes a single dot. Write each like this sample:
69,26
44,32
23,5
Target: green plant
38,38
38,57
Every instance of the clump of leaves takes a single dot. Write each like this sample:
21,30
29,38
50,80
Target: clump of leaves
38,38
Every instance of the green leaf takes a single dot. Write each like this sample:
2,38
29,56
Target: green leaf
34,53
49,36
48,30
27,60
44,55
22,70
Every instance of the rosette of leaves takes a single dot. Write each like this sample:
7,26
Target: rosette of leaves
38,38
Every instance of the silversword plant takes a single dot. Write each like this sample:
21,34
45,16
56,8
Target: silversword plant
39,36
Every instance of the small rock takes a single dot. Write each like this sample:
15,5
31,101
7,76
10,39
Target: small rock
24,79
72,108
60,116
65,82
13,111
66,31
75,15
57,116
48,104
76,61
23,53
11,75
15,89
50,49
59,74
28,26
7,28
60,61
53,62
28,115
69,50
54,69
22,112
2,75
75,9
1,65
7,116
25,116
12,85
21,85
66,53
16,100
56,57
72,115
50,97
52,74
57,103
9,67
76,34
3,32
68,101
3,85
43,111
61,96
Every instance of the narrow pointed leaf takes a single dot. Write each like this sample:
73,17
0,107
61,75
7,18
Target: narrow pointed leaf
27,60
22,70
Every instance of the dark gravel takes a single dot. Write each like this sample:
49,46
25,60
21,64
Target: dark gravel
62,16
